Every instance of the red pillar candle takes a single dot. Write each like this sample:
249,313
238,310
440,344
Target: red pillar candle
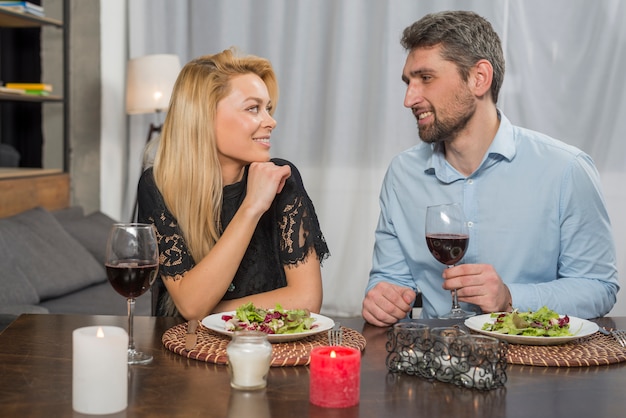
335,377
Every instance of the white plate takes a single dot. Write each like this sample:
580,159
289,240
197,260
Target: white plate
579,327
216,323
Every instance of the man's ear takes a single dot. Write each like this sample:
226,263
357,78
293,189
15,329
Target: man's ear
482,77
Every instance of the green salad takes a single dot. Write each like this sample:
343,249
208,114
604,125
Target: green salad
542,323
270,321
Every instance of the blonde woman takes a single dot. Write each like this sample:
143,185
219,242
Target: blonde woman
233,225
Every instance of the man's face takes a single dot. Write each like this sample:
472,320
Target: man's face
437,95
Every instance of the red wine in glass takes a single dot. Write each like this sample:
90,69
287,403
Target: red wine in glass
132,278
449,249
447,239
132,260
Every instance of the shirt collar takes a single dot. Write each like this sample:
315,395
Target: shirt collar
502,147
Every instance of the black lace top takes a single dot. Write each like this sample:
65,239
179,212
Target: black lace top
275,242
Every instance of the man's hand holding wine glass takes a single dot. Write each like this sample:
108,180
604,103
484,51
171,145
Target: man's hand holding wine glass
480,285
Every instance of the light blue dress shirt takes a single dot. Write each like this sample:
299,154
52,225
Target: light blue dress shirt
535,212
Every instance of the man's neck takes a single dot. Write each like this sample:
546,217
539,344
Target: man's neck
467,150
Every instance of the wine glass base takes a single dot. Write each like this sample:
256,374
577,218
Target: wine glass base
137,357
457,314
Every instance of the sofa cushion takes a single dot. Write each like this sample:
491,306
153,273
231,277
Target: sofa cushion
17,310
52,260
92,231
69,214
15,289
99,299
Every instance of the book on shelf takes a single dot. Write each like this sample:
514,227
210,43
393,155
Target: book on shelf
11,90
30,86
37,92
23,7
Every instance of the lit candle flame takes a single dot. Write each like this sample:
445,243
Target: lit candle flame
333,354
100,333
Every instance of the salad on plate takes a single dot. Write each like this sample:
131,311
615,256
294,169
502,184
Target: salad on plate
270,321
541,323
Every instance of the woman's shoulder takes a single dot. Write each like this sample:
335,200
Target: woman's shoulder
295,173
147,177
282,161
148,194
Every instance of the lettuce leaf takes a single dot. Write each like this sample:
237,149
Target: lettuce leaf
541,323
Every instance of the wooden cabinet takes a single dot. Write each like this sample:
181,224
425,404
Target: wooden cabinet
21,121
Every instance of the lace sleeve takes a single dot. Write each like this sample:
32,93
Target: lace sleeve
174,256
298,224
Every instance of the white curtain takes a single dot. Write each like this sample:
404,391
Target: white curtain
340,114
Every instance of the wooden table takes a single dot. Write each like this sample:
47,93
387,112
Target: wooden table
36,381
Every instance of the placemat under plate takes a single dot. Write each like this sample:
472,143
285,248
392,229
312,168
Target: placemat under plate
595,350
211,346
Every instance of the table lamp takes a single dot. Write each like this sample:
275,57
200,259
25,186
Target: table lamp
149,83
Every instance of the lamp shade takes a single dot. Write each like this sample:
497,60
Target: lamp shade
149,82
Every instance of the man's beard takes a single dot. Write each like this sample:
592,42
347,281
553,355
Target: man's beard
447,128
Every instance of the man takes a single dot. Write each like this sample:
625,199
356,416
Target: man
539,230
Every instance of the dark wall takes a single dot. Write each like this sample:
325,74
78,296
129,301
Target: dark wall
20,122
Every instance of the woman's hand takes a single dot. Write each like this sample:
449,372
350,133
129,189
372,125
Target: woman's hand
265,181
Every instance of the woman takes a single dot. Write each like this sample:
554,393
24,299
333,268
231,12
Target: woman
233,226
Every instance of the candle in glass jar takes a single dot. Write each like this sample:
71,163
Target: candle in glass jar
249,359
99,370
335,376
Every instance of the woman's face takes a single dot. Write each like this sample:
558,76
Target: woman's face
243,126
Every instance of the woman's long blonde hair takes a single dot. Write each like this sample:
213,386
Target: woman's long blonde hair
186,166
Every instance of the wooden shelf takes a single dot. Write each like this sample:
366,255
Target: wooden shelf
13,19
25,188
16,97
32,188
12,173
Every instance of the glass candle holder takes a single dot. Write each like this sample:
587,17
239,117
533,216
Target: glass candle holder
249,360
484,362
407,344
447,352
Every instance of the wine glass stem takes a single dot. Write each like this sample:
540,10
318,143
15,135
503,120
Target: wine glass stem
131,315
455,299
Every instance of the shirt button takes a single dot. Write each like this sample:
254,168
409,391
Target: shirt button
470,181
470,224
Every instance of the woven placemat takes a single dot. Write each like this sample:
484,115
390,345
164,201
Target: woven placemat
595,350
211,346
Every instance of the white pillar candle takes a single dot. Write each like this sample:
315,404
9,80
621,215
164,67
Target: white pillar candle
99,370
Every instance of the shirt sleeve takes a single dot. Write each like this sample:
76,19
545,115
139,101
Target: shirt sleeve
586,284
388,261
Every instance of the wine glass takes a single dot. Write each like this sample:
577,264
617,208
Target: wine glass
132,262
447,239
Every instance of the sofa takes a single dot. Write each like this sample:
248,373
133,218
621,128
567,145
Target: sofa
53,262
